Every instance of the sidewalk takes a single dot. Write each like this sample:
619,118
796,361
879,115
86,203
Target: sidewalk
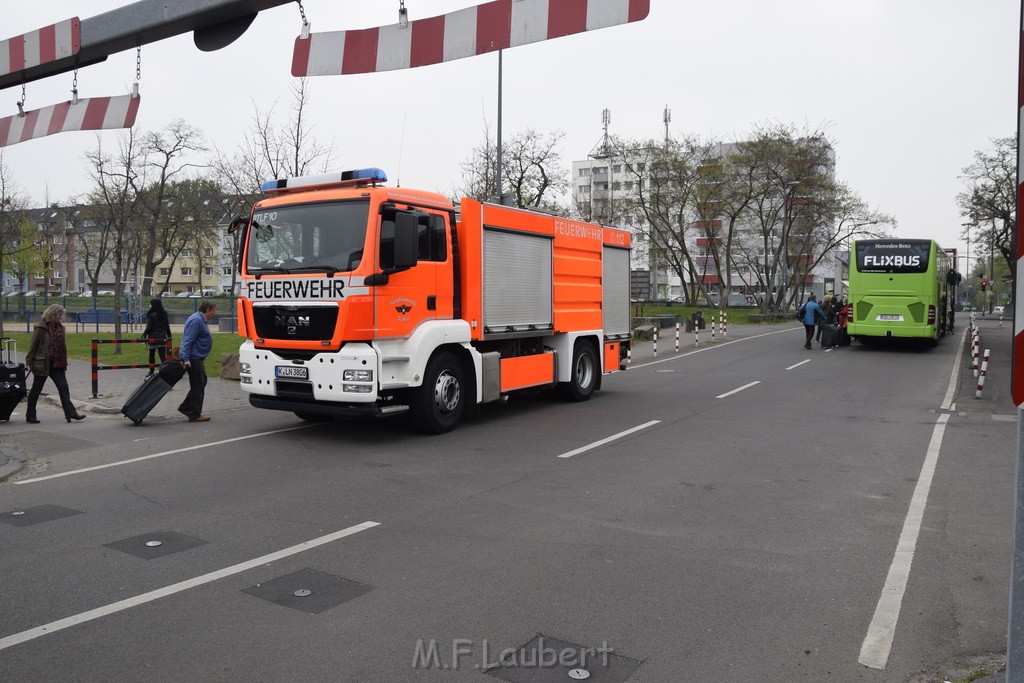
116,385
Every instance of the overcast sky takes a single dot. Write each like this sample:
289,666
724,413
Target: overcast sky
907,90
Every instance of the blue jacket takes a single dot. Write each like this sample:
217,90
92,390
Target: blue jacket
196,341
812,311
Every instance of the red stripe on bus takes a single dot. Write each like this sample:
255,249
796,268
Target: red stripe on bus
360,51
47,43
300,57
427,41
493,26
566,17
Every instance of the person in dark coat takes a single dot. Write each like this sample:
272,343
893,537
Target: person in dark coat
47,356
158,331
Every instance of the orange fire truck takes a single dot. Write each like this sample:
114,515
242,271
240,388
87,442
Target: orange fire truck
361,298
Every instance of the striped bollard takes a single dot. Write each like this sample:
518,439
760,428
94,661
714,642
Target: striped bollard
677,337
696,333
725,321
714,326
655,342
981,378
629,355
974,354
1000,320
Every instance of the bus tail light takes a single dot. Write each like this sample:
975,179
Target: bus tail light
849,315
931,315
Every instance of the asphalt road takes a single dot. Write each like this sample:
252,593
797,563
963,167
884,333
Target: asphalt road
747,534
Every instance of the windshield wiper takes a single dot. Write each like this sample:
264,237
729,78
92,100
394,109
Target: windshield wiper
330,270
271,269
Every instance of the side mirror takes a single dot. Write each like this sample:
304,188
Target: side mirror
406,240
237,222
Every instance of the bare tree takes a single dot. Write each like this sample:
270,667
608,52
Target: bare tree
117,205
990,201
166,153
13,222
270,150
531,166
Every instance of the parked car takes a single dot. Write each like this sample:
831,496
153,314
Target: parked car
998,310
105,292
85,295
183,295
204,294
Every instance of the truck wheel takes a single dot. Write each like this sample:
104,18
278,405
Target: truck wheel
310,417
584,373
438,404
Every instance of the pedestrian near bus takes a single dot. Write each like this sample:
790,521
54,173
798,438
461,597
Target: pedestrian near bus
47,356
196,343
826,310
157,333
811,314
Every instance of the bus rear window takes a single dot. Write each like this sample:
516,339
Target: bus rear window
893,256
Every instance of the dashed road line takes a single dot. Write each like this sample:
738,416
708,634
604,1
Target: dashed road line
609,439
738,390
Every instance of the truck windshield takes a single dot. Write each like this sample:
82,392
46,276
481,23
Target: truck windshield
307,237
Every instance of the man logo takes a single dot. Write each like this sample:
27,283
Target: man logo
291,323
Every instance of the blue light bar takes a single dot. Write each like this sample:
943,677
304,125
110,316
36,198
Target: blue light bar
356,177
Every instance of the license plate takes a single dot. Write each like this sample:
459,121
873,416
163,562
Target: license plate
291,372
890,317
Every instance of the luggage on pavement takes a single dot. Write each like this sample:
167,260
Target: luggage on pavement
12,379
828,336
154,388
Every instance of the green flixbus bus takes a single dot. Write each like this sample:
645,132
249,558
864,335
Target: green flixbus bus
900,288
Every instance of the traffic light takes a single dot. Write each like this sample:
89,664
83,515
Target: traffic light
984,284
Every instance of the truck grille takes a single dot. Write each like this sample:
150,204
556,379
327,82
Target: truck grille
303,323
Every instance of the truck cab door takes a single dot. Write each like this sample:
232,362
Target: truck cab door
418,292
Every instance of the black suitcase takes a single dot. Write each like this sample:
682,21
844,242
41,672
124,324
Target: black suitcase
12,379
145,398
828,336
156,386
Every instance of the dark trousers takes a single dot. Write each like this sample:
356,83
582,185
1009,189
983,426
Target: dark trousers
162,350
193,403
809,329
60,378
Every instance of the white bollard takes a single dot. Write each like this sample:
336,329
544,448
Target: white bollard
696,333
974,354
714,326
629,355
981,378
1000,320
725,321
655,342
677,337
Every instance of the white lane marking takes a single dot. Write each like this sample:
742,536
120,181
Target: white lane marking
609,439
736,391
121,605
947,402
720,345
158,455
1004,418
799,364
874,652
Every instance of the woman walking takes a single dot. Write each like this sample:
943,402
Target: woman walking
158,332
47,356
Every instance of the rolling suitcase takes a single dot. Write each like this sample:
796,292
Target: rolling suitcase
828,336
12,379
154,388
